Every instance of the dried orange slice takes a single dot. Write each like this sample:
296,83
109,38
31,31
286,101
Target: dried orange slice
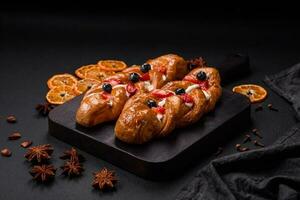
97,73
112,65
255,93
132,68
80,72
61,79
85,84
60,94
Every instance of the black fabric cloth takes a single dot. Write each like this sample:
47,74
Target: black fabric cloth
287,84
269,173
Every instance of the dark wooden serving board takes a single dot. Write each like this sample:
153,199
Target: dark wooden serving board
159,158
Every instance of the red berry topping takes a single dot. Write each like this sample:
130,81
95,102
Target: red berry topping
131,89
186,98
161,93
145,77
203,84
160,110
105,95
191,79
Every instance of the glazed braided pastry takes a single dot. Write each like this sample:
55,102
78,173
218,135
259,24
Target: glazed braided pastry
146,116
104,102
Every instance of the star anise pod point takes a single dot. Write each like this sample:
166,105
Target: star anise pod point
72,168
104,179
39,153
43,173
72,154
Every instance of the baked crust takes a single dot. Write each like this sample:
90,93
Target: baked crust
98,107
138,123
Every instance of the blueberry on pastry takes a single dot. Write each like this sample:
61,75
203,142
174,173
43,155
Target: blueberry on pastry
177,104
105,101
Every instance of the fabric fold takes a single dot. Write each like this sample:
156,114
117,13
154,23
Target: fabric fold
287,84
268,173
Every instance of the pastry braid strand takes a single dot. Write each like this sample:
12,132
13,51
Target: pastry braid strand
177,104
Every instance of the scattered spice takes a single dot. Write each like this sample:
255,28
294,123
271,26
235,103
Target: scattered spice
219,151
104,179
240,148
257,143
247,138
39,153
259,108
256,133
43,173
72,168
72,155
14,136
270,106
26,144
6,152
44,108
11,119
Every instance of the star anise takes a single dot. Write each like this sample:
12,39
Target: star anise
104,179
72,168
44,109
43,173
195,63
72,155
39,153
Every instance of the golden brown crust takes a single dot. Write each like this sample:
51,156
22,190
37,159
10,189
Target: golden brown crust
214,80
156,79
188,115
137,130
196,112
165,65
89,112
94,109
168,123
178,110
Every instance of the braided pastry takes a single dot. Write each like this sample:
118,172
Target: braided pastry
177,104
104,102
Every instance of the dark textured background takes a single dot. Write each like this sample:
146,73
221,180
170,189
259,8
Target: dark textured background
34,45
